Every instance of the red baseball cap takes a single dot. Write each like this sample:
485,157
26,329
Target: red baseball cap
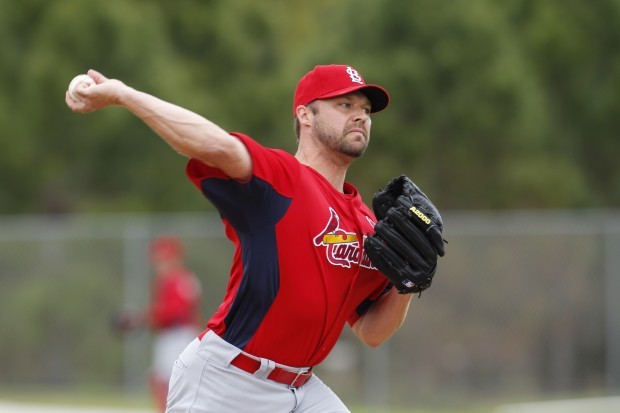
166,247
329,81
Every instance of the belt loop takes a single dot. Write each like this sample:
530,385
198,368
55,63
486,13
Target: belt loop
266,367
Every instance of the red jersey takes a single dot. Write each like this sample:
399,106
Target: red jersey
299,272
176,300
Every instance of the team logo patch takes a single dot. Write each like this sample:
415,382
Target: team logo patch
408,283
342,247
354,75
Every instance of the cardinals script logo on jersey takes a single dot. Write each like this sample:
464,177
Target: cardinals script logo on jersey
342,247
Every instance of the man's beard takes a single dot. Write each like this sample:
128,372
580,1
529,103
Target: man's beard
337,142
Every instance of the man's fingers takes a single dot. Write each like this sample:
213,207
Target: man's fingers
75,106
97,77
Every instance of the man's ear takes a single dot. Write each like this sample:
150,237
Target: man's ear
303,114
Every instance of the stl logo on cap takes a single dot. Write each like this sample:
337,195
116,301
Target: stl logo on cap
329,81
354,75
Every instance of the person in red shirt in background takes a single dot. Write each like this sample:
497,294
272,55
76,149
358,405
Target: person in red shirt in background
173,315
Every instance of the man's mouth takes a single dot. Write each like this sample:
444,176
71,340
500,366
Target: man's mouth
358,130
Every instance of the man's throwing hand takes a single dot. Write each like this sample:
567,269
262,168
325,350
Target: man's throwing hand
94,92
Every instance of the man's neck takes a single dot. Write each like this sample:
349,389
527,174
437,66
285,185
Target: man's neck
332,167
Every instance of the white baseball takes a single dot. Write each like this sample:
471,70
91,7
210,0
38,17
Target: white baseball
79,81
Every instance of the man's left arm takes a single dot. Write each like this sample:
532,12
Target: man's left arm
383,318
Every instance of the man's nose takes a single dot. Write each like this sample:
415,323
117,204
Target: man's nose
361,115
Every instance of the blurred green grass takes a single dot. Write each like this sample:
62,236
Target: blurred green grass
76,397
117,398
422,410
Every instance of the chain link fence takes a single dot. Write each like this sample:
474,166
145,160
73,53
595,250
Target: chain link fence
524,304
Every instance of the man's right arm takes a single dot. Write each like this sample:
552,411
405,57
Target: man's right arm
187,132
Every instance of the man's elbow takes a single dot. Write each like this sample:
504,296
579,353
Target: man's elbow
374,341
369,334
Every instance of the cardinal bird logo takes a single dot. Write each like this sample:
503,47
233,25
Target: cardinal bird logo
342,247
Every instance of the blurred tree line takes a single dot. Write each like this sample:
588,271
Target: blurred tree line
497,105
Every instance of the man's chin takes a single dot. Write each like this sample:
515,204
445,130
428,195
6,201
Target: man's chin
353,153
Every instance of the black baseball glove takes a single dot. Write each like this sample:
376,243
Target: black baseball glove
408,236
